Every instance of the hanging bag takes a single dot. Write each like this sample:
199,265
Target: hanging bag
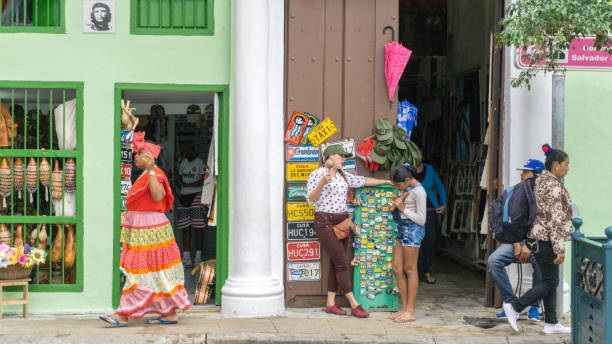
342,229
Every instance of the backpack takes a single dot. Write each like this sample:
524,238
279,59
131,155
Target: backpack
512,214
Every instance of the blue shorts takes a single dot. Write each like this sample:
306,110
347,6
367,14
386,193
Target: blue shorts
409,233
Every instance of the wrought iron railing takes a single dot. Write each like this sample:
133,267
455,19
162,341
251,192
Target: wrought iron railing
591,266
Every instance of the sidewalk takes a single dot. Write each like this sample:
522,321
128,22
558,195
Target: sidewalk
441,309
295,326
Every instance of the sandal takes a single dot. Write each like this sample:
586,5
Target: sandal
112,320
430,280
160,321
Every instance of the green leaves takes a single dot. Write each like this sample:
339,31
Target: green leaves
545,28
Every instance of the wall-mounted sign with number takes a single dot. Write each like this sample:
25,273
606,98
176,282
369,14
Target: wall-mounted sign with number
126,170
123,203
300,172
307,250
126,154
300,211
301,231
126,136
308,271
322,132
125,186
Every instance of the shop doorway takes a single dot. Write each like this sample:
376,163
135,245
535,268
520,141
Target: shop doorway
190,122
454,79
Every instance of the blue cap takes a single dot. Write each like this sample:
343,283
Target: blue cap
533,165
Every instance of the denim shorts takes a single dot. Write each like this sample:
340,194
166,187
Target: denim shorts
409,233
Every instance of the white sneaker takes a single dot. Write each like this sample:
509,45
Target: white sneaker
556,328
511,316
198,258
186,260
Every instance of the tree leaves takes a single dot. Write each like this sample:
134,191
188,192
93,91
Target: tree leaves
545,28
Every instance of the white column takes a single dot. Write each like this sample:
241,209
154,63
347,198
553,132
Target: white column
252,289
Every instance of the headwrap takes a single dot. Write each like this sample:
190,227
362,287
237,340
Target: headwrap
139,143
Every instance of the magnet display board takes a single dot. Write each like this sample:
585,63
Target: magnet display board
373,279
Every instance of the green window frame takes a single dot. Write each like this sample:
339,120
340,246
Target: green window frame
172,17
41,16
33,97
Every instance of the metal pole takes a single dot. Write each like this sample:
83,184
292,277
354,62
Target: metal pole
558,142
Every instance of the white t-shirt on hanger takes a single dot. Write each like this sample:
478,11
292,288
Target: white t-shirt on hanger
191,172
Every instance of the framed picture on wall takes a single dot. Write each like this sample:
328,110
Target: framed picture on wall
99,16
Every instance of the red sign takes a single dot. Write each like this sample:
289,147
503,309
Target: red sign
126,170
304,250
581,55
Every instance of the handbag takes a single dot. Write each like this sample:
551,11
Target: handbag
342,229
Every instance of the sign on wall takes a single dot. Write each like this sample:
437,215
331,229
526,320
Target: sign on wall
296,191
308,271
300,172
301,231
322,132
307,250
301,153
580,55
126,170
300,211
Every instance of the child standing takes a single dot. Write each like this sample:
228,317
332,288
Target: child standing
409,216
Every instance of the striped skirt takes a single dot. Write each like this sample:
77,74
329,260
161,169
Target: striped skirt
151,262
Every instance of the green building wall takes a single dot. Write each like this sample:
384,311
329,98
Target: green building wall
588,142
100,61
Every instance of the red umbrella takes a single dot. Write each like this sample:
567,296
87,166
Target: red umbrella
396,58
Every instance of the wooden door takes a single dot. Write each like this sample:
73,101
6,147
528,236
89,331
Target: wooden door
335,69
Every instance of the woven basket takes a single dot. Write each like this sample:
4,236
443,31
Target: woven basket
14,272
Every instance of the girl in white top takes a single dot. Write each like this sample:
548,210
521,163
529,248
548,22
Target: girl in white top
409,216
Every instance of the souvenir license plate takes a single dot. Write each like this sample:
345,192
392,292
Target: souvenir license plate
310,271
307,250
322,132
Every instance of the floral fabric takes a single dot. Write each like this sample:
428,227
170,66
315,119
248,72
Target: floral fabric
553,219
333,195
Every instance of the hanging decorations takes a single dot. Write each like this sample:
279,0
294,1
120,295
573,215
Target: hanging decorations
70,247
407,115
5,180
70,176
128,120
18,239
32,178
38,237
56,250
56,183
18,176
396,59
5,235
45,176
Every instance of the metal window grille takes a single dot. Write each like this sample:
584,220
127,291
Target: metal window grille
41,190
172,17
32,16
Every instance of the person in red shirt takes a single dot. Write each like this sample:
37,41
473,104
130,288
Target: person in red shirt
150,258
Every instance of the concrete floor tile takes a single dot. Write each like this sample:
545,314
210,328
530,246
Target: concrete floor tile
548,339
247,325
351,325
471,340
310,326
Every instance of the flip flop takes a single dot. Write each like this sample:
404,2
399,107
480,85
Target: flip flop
424,279
112,320
160,321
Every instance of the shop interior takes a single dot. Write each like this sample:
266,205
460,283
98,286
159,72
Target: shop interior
182,122
447,79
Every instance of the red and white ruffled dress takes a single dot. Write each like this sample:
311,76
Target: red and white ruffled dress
150,258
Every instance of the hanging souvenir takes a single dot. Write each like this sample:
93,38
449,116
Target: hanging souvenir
31,178
56,250
38,237
18,176
18,239
5,180
45,176
70,247
5,235
128,120
56,183
70,176
296,128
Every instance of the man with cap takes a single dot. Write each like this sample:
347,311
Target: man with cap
327,192
507,254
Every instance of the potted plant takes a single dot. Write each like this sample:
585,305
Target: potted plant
17,262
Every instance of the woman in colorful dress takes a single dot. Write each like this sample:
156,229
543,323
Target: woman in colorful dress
150,258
